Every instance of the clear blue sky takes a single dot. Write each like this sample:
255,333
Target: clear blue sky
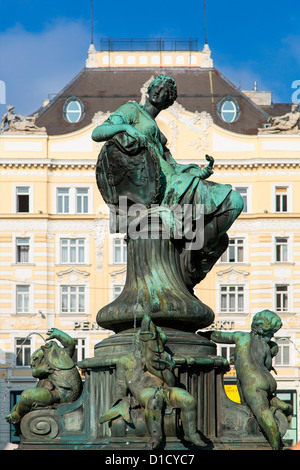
43,44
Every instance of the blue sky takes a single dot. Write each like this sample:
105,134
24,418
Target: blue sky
43,44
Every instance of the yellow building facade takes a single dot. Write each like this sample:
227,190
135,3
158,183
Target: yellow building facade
59,264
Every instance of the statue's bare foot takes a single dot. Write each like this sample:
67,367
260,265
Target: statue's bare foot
154,442
195,439
13,418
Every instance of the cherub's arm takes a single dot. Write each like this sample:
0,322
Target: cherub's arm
120,389
221,336
274,348
66,340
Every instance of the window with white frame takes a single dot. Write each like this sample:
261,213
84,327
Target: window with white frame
23,298
117,291
73,299
281,249
23,351
281,298
120,251
227,351
281,199
282,358
23,199
244,192
73,200
234,252
79,353
232,299
63,200
22,250
82,200
72,250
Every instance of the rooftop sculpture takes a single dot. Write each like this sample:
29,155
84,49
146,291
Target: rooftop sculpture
287,124
18,124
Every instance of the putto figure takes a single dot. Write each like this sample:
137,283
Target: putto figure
148,375
59,380
253,363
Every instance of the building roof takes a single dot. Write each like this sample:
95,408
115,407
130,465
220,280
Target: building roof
106,88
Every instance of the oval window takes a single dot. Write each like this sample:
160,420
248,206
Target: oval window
73,110
228,110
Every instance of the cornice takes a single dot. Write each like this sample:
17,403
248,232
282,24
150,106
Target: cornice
47,163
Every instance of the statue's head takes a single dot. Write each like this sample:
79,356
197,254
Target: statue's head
151,337
266,323
162,91
52,357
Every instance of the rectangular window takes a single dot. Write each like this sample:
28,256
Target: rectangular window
244,193
281,199
227,351
79,353
232,299
23,351
234,252
73,299
117,291
82,200
282,358
72,251
23,199
281,247
281,298
63,201
22,255
120,251
22,299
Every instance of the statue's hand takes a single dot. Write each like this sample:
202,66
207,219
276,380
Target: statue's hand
207,171
52,333
138,136
161,364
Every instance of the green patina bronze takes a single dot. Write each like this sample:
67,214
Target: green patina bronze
160,386
148,375
135,163
59,381
253,363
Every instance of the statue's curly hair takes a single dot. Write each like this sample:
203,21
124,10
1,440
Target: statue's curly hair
170,84
266,321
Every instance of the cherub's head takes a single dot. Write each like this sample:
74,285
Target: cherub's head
266,323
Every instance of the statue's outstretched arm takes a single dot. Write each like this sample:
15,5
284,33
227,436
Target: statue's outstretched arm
221,336
66,340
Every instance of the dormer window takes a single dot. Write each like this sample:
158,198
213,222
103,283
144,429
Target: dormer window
73,110
228,109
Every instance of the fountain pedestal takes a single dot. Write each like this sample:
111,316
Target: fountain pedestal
223,424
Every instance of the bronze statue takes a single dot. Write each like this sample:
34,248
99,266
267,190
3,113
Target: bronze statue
253,363
59,380
136,164
136,145
148,375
